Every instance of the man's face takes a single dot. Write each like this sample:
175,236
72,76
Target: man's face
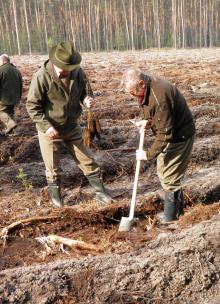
138,90
64,74
61,73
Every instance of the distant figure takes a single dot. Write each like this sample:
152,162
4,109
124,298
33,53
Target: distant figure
165,111
10,92
57,92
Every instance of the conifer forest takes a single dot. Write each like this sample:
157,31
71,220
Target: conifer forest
33,26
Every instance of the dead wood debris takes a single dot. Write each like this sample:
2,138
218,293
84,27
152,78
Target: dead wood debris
151,223
6,230
52,240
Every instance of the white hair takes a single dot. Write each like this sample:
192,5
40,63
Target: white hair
131,78
5,58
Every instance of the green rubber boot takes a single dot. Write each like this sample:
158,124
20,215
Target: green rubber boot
179,200
170,210
173,206
54,191
102,195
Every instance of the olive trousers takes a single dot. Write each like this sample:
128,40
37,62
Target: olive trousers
172,164
51,154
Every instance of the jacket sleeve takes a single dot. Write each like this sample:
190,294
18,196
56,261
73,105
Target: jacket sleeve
164,129
86,87
34,105
144,113
21,84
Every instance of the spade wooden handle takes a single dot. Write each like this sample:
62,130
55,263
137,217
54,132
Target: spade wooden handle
137,172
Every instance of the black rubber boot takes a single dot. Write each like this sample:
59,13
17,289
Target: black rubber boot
173,206
54,191
102,195
170,210
179,200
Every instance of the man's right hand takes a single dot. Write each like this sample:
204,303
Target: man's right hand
142,124
52,133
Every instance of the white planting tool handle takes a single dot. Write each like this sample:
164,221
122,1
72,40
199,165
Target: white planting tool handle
137,172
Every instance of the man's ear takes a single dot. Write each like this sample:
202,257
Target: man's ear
142,83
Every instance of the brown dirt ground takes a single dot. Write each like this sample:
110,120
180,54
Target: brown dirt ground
197,74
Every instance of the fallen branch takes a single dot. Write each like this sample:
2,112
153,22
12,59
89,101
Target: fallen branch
52,240
5,231
151,223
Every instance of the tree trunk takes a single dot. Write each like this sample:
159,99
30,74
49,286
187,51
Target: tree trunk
71,25
90,27
183,22
174,22
132,25
16,26
27,27
45,25
144,24
7,27
200,23
211,12
156,22
126,24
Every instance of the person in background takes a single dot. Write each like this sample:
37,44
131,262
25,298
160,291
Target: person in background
10,93
56,95
165,111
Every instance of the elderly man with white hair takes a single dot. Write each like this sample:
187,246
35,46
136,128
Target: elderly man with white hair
10,92
165,111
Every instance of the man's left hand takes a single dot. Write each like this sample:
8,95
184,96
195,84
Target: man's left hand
141,155
89,101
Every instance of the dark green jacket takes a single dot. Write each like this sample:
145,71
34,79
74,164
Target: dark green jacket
10,84
49,103
170,117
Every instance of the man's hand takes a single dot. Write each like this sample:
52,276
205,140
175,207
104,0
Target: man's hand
89,101
52,133
141,155
142,124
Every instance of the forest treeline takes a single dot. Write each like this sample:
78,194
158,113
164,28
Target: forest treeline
33,26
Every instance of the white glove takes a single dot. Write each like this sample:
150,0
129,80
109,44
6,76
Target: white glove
141,155
142,124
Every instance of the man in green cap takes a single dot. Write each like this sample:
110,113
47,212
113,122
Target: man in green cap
10,92
57,92
165,111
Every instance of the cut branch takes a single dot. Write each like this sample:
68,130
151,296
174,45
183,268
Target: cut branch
52,240
15,225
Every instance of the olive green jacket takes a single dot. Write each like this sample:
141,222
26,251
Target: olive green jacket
169,115
10,84
49,104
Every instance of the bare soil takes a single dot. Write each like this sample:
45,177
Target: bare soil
179,263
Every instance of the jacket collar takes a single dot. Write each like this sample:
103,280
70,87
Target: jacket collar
50,69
